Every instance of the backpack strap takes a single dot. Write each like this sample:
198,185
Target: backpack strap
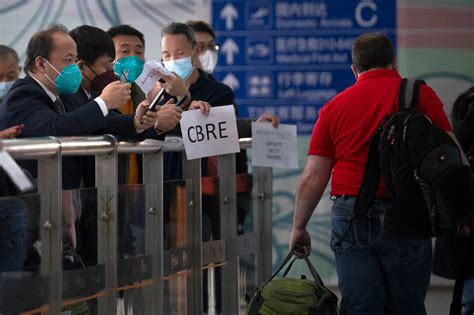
370,182
408,95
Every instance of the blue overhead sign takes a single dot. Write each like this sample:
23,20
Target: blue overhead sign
291,57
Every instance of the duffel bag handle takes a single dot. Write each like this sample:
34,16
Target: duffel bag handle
311,268
290,256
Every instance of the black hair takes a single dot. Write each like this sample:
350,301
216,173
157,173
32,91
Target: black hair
41,44
126,29
461,106
6,51
92,43
201,27
176,28
371,50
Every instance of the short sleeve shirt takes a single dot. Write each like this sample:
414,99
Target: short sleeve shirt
347,123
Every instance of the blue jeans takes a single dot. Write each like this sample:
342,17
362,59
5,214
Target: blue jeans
379,272
12,234
468,297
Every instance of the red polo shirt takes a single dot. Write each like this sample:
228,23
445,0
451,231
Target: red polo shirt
346,124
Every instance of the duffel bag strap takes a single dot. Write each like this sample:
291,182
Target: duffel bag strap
311,268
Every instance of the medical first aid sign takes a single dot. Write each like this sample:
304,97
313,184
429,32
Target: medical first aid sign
215,134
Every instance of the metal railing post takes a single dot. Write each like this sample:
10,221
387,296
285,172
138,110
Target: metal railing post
262,199
192,174
106,182
51,223
228,227
153,180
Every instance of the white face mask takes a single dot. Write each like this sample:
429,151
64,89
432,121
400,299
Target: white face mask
208,60
4,87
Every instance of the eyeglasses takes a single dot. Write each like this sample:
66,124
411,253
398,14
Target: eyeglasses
212,46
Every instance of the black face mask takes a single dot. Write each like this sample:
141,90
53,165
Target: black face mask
102,80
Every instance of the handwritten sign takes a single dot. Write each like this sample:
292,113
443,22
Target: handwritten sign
274,147
210,135
152,72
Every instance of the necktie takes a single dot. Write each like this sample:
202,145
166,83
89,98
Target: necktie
59,106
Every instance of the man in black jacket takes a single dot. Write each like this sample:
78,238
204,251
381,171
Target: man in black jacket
34,101
96,54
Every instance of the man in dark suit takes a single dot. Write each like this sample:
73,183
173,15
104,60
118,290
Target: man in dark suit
34,101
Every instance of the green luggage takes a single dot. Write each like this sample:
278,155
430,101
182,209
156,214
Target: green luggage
293,296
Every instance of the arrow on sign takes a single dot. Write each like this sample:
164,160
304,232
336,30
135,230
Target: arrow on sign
231,81
229,48
229,13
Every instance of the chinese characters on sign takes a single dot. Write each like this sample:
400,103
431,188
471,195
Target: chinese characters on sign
291,57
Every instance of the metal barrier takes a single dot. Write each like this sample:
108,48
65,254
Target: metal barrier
53,288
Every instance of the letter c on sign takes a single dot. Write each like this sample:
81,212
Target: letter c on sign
358,13
189,135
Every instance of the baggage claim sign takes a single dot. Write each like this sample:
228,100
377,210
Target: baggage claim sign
291,57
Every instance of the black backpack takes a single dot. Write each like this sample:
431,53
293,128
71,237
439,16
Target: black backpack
422,170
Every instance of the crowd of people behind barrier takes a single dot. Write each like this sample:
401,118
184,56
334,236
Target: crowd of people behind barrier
82,82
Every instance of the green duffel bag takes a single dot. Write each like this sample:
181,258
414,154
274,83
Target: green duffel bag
292,296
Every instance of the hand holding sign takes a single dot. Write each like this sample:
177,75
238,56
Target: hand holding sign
210,135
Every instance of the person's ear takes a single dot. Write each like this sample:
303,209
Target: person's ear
40,64
354,71
81,64
197,50
394,63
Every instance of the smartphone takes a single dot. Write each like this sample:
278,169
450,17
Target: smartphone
156,100
181,102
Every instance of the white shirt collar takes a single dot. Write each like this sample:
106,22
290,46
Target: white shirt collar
48,91
89,95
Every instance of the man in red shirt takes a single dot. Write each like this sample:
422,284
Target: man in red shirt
377,270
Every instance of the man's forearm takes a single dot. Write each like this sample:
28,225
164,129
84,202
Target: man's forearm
310,189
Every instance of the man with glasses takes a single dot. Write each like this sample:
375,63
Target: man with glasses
205,39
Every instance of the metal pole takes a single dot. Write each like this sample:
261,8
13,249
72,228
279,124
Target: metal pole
262,200
106,182
50,188
192,174
153,180
228,218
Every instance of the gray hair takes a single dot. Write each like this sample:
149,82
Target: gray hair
176,28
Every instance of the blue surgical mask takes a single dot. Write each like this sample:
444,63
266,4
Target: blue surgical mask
182,67
4,88
68,80
129,68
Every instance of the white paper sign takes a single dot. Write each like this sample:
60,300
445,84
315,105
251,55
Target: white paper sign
274,147
16,174
210,135
152,72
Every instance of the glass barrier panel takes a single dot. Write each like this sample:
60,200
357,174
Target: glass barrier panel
134,268
213,249
245,211
177,264
22,287
83,277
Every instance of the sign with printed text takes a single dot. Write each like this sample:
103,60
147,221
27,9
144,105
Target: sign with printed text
215,134
291,57
274,147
